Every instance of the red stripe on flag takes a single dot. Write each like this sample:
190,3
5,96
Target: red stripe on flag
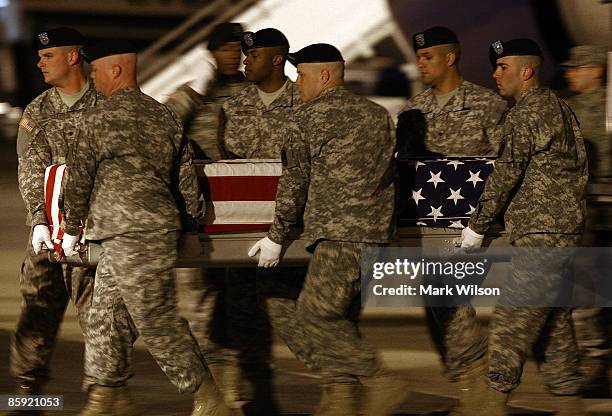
49,192
234,228
240,188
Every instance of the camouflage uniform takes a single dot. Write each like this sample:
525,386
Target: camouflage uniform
459,127
542,162
338,171
590,322
201,115
205,306
45,286
128,174
252,130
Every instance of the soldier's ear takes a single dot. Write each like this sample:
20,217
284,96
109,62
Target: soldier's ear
451,58
325,75
116,70
528,72
278,60
74,57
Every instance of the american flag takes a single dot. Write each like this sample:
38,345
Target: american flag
441,192
239,194
54,175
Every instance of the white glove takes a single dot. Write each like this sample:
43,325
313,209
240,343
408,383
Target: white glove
471,239
69,244
41,237
270,252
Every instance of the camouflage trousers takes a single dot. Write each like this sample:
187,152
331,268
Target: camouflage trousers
547,331
45,289
456,333
203,293
590,323
232,311
458,337
320,327
134,295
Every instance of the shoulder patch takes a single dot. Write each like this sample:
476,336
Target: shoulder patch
27,124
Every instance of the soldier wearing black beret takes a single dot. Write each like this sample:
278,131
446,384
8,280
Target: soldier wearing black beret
47,133
538,187
457,112
256,123
336,176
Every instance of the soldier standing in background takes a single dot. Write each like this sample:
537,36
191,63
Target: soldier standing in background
457,115
539,180
256,123
456,112
131,177
338,174
585,73
200,114
205,289
53,118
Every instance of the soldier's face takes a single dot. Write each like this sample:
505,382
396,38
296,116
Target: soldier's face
583,78
228,58
54,65
432,64
258,64
309,81
507,75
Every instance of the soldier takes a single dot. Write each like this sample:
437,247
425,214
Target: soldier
539,180
457,112
131,177
200,115
256,124
585,74
457,115
54,117
255,119
338,173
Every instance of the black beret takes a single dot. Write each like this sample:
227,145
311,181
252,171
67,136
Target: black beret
514,47
98,50
317,52
61,36
433,36
224,33
264,38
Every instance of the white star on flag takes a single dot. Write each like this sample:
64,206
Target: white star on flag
455,163
474,178
455,195
416,195
472,209
417,164
435,178
435,212
456,224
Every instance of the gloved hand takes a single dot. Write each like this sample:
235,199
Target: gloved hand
69,244
270,252
470,238
41,237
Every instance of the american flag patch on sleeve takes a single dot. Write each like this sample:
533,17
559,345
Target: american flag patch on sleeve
27,124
